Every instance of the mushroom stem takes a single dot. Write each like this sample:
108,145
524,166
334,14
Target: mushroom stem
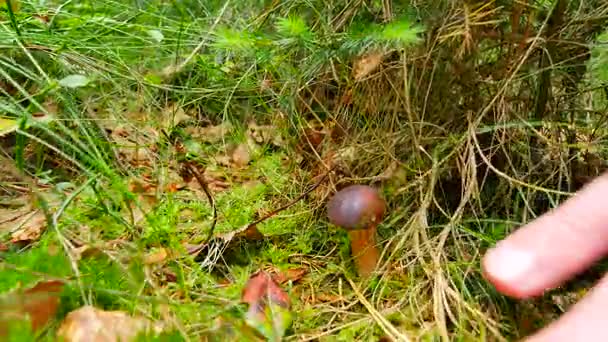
364,250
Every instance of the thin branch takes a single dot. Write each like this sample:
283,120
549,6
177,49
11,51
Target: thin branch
201,180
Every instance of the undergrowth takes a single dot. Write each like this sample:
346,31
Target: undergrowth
471,117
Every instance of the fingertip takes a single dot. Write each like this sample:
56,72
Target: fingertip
507,269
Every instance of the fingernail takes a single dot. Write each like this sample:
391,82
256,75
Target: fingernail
509,265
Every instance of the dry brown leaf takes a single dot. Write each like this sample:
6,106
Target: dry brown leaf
156,256
265,134
328,298
249,233
29,227
85,251
210,134
366,64
215,180
168,276
292,274
39,303
132,143
241,155
146,199
223,160
173,116
94,325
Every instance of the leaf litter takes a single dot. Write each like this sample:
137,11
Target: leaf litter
23,219
269,305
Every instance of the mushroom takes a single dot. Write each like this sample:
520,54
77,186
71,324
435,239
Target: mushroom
359,209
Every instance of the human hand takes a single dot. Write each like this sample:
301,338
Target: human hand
546,252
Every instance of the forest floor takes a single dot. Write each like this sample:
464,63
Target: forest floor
165,171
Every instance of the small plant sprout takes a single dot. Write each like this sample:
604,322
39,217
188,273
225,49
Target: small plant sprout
359,209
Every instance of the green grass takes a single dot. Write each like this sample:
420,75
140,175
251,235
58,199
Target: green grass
129,88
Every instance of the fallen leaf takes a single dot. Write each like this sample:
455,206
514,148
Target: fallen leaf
9,125
91,324
366,64
292,274
38,303
241,156
328,298
210,134
85,251
156,256
223,160
29,228
265,134
132,144
269,306
173,187
173,116
168,275
42,18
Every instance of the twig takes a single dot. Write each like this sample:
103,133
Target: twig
201,180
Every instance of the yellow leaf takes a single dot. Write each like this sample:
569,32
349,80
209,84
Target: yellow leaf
7,125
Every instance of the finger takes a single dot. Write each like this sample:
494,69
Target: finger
585,321
551,249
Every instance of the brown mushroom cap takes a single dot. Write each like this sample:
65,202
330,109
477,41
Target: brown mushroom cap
356,207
